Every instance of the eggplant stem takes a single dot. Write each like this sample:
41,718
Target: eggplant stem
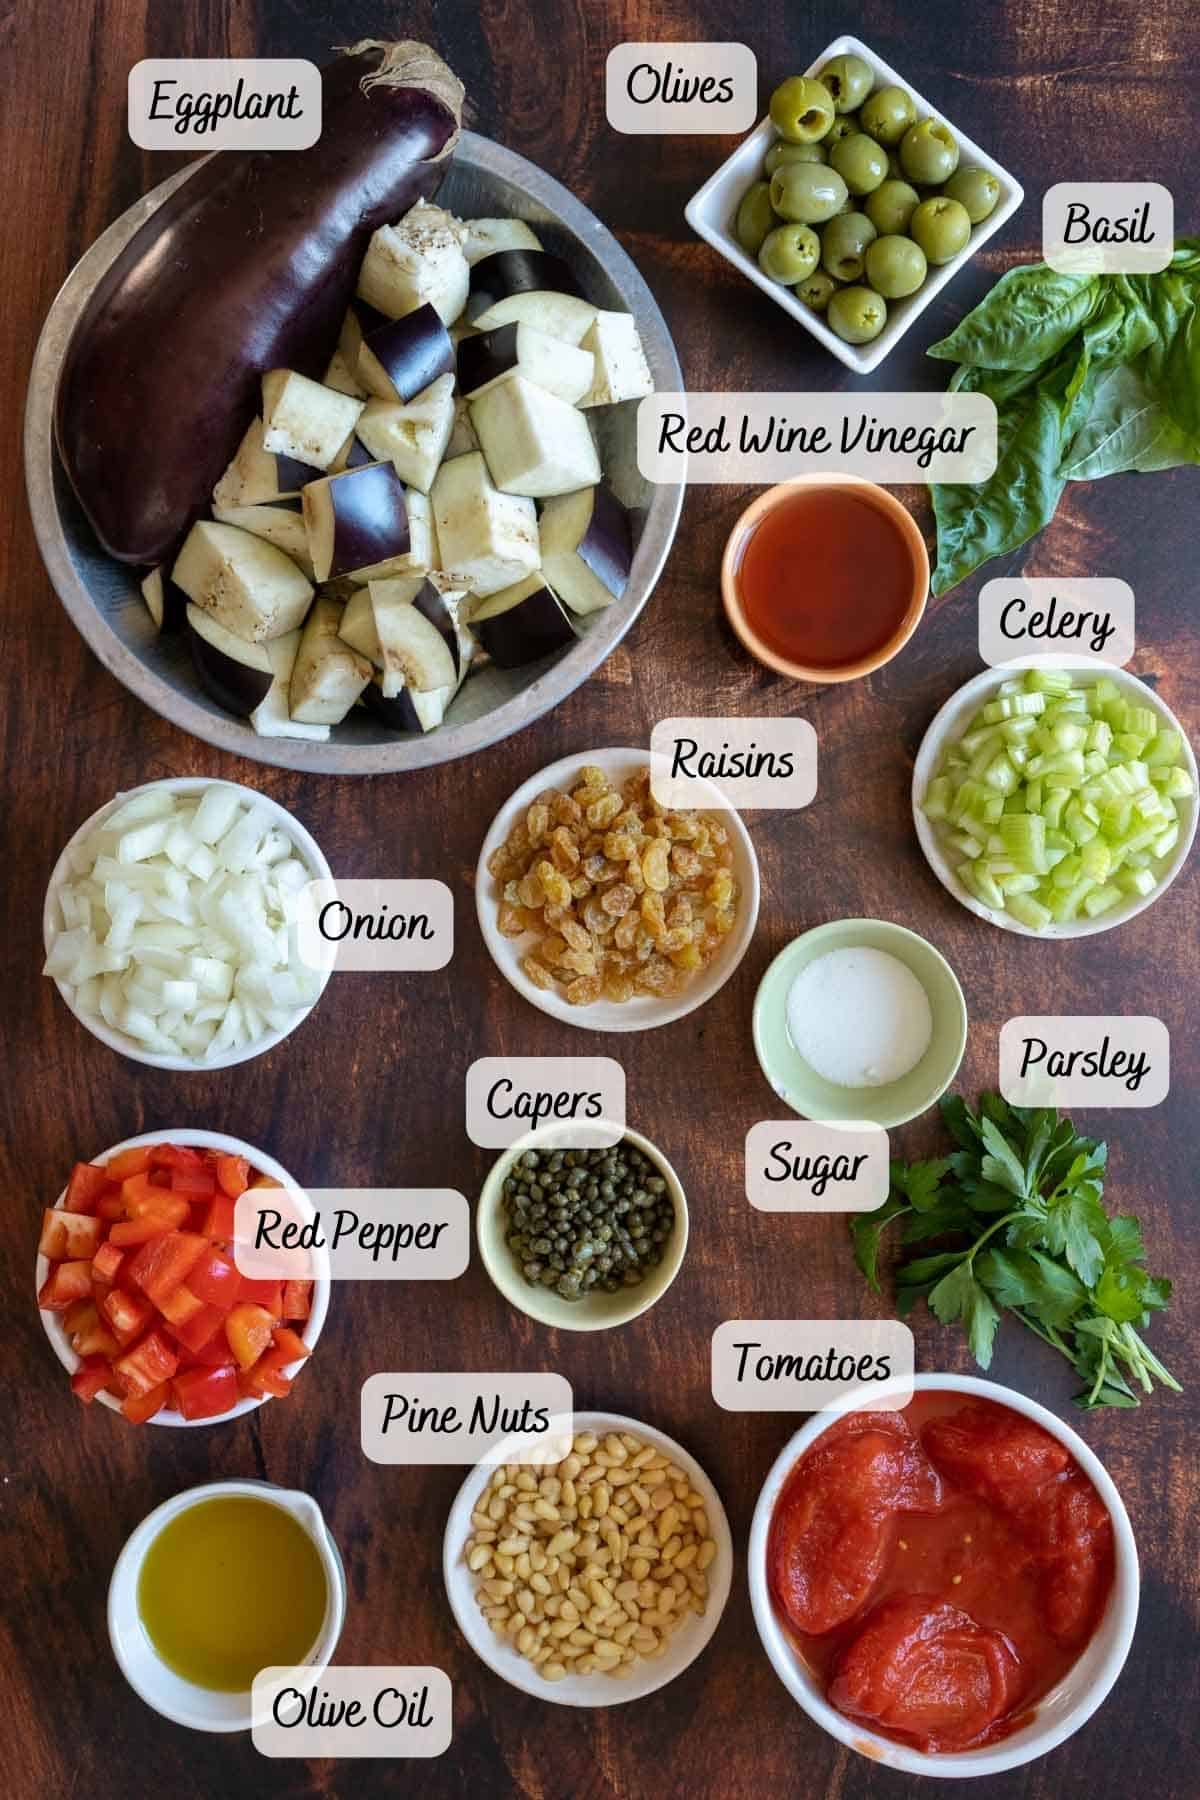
406,63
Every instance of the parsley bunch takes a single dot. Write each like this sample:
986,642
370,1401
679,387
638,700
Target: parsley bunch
1022,1201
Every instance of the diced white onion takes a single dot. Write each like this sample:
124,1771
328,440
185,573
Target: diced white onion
177,924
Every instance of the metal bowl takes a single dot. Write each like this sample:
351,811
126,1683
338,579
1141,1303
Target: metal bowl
102,596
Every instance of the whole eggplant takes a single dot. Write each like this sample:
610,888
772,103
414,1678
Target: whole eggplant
248,266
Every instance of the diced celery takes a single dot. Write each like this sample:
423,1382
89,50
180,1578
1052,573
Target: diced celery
1081,822
1130,743
1148,803
1067,901
966,874
966,845
1014,730
1101,900
1137,881
1068,872
972,742
1176,784
1018,756
1143,720
1002,778
1096,859
1028,911
1105,690
1033,796
1100,736
1018,884
936,804
1066,734
1064,770
1057,839
1094,764
1116,712
1054,855
1115,817
1164,844
1024,839
1116,783
986,885
1013,684
1013,706
1047,681
1164,749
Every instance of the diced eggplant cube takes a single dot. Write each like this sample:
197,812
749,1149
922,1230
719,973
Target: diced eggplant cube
234,673
406,710
281,522
463,435
402,357
534,443
531,286
412,438
587,548
328,676
304,420
485,237
414,650
358,626
420,259
247,584
255,475
486,539
341,378
271,717
519,349
166,603
521,624
355,520
621,369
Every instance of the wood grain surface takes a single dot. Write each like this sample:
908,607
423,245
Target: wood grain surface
370,1090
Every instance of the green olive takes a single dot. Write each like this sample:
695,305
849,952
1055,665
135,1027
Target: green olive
895,266
977,190
844,243
941,227
782,152
891,206
849,80
807,193
755,217
789,253
844,126
887,115
816,289
801,110
895,166
860,162
929,153
857,314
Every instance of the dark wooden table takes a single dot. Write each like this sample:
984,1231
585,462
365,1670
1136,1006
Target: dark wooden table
370,1091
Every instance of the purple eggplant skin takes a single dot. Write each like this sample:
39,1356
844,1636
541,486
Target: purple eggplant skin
291,476
430,604
248,266
370,517
234,686
535,627
398,713
358,455
482,359
412,351
607,544
507,272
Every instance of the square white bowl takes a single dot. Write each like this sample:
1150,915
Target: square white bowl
711,213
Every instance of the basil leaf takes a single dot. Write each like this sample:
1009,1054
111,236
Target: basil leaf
1025,321
1126,428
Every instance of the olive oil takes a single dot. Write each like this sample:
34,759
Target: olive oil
231,1586
825,577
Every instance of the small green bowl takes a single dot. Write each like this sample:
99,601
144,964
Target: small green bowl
808,1093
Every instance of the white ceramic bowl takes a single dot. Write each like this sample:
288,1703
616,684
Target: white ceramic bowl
308,851
1063,1710
148,1675
712,212
648,1675
266,1165
644,1011
950,724
595,1311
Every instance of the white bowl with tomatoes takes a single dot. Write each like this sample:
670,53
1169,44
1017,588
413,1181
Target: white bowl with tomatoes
139,1293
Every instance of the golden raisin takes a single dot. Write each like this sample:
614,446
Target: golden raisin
584,990
655,870
538,973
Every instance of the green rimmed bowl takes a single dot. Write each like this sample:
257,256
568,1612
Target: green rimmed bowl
797,1082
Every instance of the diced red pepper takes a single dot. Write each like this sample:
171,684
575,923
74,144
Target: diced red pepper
148,1363
218,1224
88,1182
167,1216
66,1283
130,1162
197,1183
297,1299
233,1175
106,1263
248,1329
68,1235
128,1314
266,1377
199,1330
181,1305
110,1206
142,1194
91,1378
138,1407
204,1393
291,1343
268,1294
215,1280
177,1156
163,1262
